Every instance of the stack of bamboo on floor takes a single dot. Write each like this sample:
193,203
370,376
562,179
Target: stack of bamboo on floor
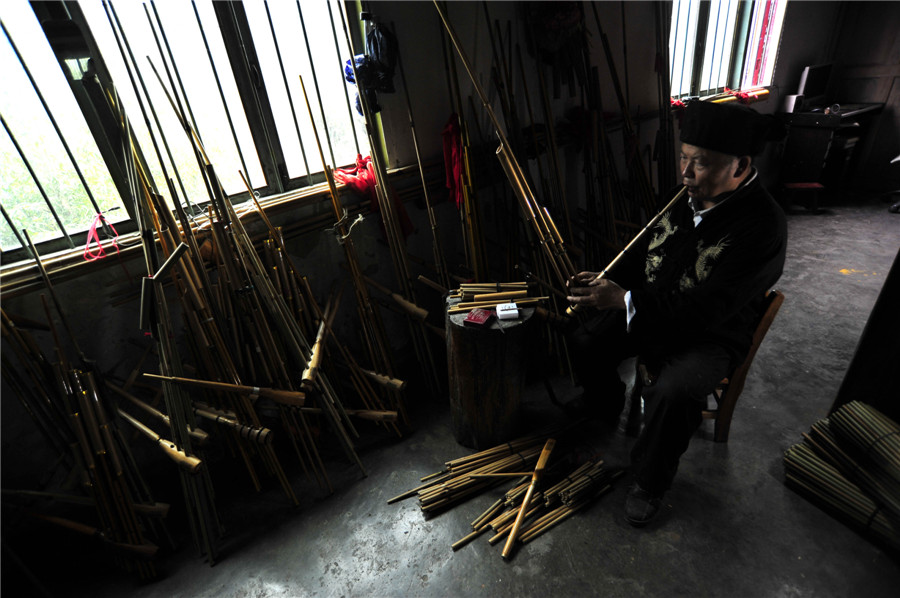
545,509
849,463
489,295
68,407
534,508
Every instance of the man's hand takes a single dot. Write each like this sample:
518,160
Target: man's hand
586,290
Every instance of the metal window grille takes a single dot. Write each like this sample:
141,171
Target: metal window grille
54,182
714,44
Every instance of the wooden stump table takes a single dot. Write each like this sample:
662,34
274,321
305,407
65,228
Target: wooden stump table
487,366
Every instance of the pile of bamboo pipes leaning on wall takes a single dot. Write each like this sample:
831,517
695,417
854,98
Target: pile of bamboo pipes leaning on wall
251,324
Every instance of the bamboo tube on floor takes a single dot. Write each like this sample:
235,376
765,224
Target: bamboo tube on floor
538,470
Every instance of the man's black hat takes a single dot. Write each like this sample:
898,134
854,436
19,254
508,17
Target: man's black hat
729,128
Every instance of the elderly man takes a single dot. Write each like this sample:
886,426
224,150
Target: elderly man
685,298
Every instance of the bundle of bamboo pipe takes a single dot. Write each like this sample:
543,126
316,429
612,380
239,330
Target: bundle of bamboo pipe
544,509
848,463
460,475
819,480
490,295
874,439
66,404
536,509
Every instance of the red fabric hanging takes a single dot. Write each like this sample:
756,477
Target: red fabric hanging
95,254
361,179
453,167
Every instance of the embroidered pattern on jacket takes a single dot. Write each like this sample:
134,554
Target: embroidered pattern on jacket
706,256
654,260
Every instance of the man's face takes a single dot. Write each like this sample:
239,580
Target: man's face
707,173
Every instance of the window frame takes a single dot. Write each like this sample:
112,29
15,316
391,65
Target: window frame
236,35
697,30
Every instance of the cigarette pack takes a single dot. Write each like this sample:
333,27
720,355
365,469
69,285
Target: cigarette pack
478,317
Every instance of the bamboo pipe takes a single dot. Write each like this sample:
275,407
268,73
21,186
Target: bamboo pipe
538,470
189,464
407,306
507,295
573,309
146,550
312,368
440,262
255,433
430,283
372,327
54,297
369,414
387,381
284,397
197,434
157,509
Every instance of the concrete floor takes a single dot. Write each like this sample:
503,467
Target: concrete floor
729,526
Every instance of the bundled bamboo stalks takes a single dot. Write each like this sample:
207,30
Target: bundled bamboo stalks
456,479
490,295
391,219
66,404
525,511
265,309
874,439
848,463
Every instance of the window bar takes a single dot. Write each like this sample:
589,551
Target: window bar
184,192
760,42
124,46
219,86
176,103
765,34
56,128
287,90
39,186
337,48
162,33
750,47
712,55
700,49
722,65
739,47
312,65
162,134
12,227
675,46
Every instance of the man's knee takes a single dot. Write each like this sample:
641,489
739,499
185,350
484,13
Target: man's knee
673,391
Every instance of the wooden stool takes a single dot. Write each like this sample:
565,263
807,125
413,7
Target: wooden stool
794,188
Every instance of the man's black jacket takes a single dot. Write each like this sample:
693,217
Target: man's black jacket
705,284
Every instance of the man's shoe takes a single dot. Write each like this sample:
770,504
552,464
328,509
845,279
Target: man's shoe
641,507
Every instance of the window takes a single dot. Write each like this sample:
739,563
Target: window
59,167
40,187
714,44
